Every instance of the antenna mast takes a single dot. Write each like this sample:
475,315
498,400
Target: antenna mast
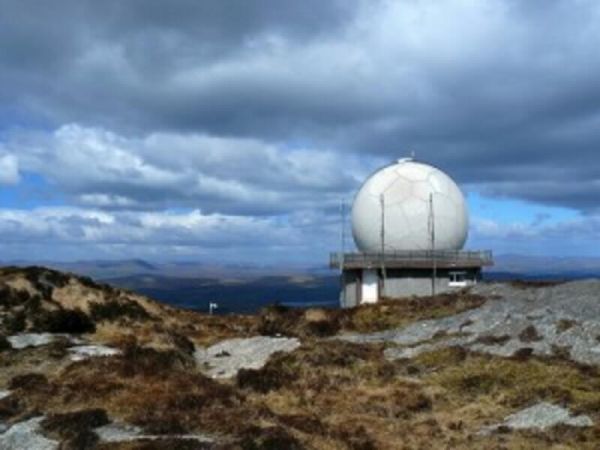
342,233
343,249
383,271
432,237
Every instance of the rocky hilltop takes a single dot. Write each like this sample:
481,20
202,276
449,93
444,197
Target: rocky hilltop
88,366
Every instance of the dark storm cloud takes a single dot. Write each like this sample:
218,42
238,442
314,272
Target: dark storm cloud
501,94
87,60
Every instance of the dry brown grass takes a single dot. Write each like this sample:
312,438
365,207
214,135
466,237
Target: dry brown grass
324,390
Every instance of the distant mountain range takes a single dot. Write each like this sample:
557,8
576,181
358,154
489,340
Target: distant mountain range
246,288
108,269
508,264
544,267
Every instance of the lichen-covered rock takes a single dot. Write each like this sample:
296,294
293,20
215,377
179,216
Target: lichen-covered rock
225,359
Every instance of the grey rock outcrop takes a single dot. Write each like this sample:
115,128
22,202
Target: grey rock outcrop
26,435
81,352
563,318
541,416
24,340
116,432
225,359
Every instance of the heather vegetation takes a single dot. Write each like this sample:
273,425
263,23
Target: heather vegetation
326,394
384,315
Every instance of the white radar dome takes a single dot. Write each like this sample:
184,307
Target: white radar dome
413,195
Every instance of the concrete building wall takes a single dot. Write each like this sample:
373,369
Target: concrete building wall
400,283
350,289
407,283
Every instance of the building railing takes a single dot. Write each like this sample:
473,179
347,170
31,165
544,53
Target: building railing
416,258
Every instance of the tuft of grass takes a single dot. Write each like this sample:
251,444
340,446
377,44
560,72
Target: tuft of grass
513,383
4,344
268,438
278,372
355,437
166,443
399,312
441,358
15,322
137,360
278,320
29,381
111,310
75,420
75,429
63,321
494,340
565,324
10,407
529,334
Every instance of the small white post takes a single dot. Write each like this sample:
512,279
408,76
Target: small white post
211,307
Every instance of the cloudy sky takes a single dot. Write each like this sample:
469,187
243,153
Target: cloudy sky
230,130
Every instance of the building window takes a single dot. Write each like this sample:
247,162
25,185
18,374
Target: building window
460,279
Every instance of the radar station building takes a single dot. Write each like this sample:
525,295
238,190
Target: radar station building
409,223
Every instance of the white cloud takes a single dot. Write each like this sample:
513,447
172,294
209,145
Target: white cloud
9,169
230,175
574,236
46,233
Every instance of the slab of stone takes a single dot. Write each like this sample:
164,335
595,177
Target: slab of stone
24,340
497,327
225,359
541,416
26,435
117,432
82,352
